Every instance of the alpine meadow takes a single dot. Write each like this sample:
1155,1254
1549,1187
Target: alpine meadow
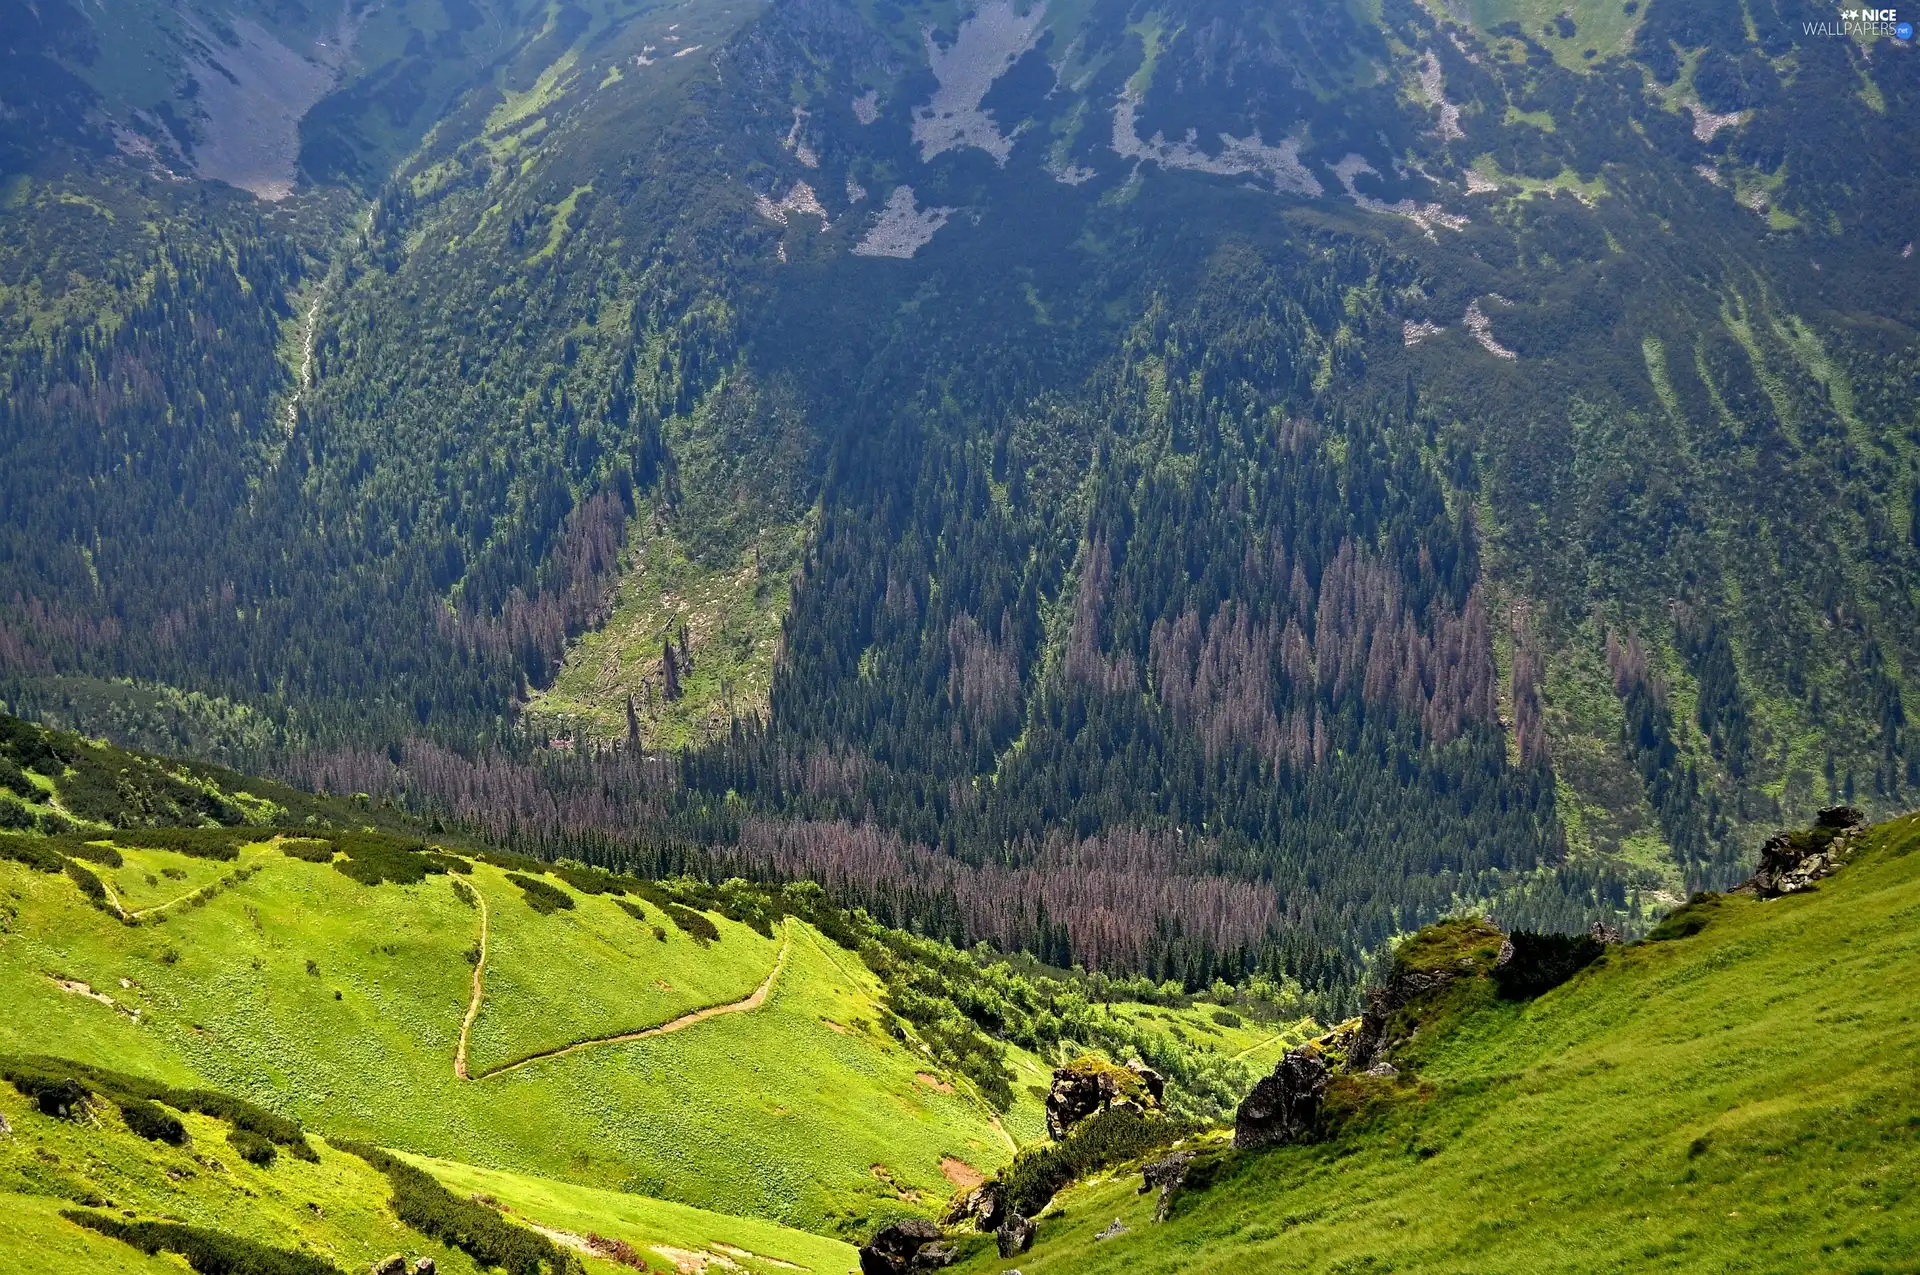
1034,637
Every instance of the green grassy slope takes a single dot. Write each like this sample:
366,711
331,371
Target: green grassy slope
335,1209
646,1224
1742,1099
341,1004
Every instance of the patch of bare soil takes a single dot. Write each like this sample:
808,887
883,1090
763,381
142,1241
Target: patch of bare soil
960,1173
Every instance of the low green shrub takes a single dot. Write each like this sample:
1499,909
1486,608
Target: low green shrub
1541,962
422,1203
36,1074
90,885
511,862
14,779
152,1121
696,925
372,858
221,844
588,880
308,850
1227,1018
1100,1142
541,897
14,817
104,855
36,852
62,1097
1686,920
251,1147
206,1251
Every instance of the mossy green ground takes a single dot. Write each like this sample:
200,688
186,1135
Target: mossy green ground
1742,1099
341,1004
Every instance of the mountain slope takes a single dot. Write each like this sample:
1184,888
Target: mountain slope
1212,443
1735,1097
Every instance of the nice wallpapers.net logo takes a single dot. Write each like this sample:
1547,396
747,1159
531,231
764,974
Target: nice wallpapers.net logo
1865,22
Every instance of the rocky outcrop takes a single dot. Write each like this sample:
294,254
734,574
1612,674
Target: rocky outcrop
1370,1042
1429,963
1156,1083
1091,1085
1166,1175
1791,862
1530,964
391,1264
906,1247
1285,1105
1016,1235
985,1207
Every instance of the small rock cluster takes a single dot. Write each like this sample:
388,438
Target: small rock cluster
1167,1174
905,1247
396,1264
1015,1235
1284,1106
986,1208
1792,861
1088,1087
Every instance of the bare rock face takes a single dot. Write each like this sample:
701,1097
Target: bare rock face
391,1264
985,1206
1791,862
1155,1083
1167,1174
1016,1236
1284,1106
1530,964
1605,935
1429,963
1090,1086
905,1247
1370,1042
